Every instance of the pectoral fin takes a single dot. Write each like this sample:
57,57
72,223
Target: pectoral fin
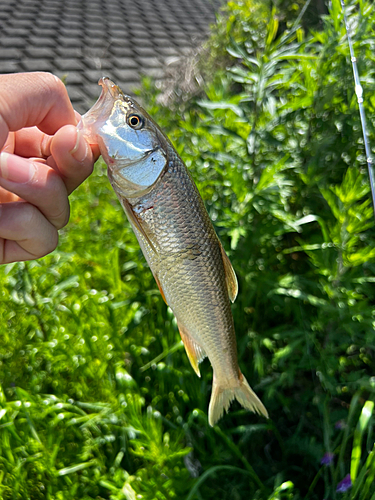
230,275
160,288
194,351
134,220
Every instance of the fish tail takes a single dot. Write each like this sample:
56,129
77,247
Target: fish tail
222,397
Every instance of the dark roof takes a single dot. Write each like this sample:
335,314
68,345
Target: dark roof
82,40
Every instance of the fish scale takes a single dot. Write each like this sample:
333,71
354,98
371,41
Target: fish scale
176,236
194,282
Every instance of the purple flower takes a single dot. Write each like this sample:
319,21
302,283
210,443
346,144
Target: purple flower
340,424
344,485
327,458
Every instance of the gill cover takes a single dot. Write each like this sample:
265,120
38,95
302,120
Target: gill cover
130,143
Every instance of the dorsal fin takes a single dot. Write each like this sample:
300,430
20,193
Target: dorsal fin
230,275
194,352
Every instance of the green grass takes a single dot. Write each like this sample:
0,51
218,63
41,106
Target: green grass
98,398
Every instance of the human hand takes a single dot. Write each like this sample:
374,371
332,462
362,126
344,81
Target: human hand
43,159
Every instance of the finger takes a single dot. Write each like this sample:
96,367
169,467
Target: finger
38,236
7,196
72,156
28,99
38,184
30,142
9,143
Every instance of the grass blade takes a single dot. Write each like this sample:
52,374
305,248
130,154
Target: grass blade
358,435
369,469
211,471
75,468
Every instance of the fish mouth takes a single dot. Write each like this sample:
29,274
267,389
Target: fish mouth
102,109
109,86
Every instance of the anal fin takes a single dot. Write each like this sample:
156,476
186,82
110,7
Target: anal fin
194,352
230,275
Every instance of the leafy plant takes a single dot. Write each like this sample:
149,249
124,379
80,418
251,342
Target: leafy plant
99,400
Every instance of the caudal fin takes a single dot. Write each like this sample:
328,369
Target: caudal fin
222,397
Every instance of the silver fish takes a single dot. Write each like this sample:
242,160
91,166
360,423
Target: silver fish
168,216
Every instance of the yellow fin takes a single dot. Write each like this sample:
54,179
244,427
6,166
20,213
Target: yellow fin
230,275
194,352
134,220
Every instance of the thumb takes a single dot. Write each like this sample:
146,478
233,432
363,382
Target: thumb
28,99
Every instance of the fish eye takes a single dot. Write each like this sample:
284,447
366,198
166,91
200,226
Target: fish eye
135,121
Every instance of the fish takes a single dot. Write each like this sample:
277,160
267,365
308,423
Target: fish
168,216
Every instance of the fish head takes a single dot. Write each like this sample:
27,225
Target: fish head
132,145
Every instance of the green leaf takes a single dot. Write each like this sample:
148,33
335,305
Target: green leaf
71,282
211,471
360,429
75,468
221,105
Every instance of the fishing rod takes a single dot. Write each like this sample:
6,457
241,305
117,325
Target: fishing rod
359,93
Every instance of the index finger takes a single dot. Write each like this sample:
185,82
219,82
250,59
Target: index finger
28,99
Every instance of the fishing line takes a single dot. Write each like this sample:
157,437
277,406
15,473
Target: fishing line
302,13
359,93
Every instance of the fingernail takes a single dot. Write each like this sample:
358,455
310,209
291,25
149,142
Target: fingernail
16,169
81,148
